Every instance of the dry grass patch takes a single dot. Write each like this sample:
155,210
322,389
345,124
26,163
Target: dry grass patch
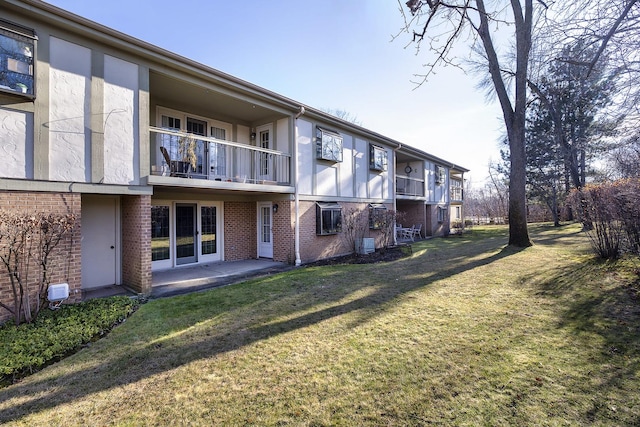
464,332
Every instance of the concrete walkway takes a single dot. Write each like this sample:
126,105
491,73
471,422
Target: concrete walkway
198,277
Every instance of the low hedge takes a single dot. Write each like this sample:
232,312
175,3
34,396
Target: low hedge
57,333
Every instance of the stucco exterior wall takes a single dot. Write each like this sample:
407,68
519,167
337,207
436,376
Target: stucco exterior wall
16,143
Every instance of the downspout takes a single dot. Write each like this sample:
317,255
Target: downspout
395,194
296,241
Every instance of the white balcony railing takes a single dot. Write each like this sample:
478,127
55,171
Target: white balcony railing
456,194
185,155
406,186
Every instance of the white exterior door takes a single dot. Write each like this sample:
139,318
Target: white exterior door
99,241
265,230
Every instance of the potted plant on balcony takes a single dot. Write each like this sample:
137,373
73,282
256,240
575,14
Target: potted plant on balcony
187,147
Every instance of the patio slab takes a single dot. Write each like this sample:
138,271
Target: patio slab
194,278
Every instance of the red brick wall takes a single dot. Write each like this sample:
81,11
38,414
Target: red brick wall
283,232
240,233
438,228
414,214
314,247
65,264
136,243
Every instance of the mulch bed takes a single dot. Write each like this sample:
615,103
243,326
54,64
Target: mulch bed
380,255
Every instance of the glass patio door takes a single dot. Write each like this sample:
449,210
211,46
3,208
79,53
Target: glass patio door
186,251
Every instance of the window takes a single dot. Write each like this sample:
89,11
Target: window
440,175
208,225
328,218
442,214
377,158
218,152
328,145
17,52
377,216
160,233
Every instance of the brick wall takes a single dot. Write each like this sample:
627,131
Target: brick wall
414,214
240,233
66,261
283,232
136,243
437,228
314,247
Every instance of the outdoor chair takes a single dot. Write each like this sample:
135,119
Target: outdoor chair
171,163
416,231
407,233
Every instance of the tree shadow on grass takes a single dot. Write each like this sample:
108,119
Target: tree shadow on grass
601,304
251,317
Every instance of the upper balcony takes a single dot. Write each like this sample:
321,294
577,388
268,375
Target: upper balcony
456,189
213,132
192,158
407,186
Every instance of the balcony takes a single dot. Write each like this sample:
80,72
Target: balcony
182,155
406,186
456,194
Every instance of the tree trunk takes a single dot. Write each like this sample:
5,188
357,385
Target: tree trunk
518,231
514,116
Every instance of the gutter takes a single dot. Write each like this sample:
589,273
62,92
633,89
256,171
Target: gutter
395,194
296,195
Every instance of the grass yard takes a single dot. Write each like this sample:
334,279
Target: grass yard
463,332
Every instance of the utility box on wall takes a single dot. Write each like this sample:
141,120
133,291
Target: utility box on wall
365,246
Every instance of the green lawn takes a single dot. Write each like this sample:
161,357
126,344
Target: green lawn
464,332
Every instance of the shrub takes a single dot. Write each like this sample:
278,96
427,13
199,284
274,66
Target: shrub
56,333
28,245
611,214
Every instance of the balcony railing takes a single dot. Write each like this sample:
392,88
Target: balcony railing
406,186
456,194
185,155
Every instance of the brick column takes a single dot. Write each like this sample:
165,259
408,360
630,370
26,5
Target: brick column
136,243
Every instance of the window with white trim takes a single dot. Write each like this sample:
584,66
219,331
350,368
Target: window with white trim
17,59
442,214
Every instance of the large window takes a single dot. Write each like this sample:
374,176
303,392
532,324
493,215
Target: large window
377,158
328,145
17,54
328,218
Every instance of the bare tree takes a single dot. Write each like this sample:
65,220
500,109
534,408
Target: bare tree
432,21
343,115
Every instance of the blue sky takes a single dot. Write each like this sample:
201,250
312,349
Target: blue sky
329,54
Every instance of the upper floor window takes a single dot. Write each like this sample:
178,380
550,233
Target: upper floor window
328,145
17,58
377,158
440,175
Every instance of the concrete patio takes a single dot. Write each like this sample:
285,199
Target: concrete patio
194,278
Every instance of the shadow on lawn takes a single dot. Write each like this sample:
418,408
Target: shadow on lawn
609,309
334,283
